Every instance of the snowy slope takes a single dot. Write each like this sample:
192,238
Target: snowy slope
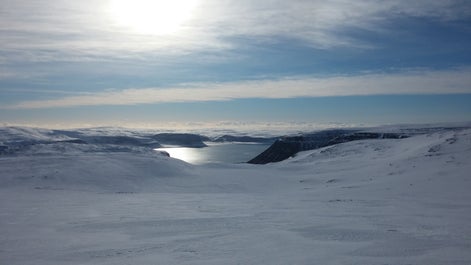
390,201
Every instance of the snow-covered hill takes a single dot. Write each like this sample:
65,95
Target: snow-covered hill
388,201
288,146
33,141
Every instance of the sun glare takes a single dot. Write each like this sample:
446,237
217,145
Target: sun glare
155,17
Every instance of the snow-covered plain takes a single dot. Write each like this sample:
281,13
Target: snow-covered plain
390,201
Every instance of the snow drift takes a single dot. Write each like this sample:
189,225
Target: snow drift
373,201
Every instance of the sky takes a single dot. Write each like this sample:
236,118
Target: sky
143,63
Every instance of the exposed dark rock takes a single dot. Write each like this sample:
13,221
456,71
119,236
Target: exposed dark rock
243,139
279,151
120,140
164,153
181,139
287,147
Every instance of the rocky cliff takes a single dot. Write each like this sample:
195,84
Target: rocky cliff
288,146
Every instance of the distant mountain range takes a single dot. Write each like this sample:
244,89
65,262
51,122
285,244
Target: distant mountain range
244,139
288,146
16,140
21,140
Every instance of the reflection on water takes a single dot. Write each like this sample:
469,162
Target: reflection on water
226,153
189,155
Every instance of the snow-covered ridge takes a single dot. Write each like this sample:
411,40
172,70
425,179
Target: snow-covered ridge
370,201
34,141
22,140
288,146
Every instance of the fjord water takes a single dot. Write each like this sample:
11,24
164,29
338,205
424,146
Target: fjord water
217,153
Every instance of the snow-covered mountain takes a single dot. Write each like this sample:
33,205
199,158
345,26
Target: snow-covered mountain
288,146
244,139
181,139
368,201
22,140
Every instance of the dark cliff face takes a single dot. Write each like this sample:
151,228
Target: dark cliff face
278,151
181,139
117,140
243,139
287,147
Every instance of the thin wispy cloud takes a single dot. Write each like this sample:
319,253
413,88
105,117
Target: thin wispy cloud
31,91
66,54
413,82
61,30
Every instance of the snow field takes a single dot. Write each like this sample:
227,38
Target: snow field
404,201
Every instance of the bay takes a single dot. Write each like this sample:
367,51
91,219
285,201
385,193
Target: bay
217,153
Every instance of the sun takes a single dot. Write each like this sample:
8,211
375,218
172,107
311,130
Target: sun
153,17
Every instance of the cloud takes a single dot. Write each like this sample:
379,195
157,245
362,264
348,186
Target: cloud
324,24
42,91
412,82
57,30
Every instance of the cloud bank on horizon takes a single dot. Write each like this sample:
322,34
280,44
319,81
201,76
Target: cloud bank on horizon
69,54
430,82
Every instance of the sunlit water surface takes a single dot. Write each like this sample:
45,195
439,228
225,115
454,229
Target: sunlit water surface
217,153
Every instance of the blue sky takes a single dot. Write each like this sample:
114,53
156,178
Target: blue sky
147,63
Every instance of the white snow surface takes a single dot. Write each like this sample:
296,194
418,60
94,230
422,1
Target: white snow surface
404,201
